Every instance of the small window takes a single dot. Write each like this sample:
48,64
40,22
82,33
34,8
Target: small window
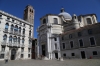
44,21
70,36
55,21
28,55
81,43
79,34
2,56
13,20
90,31
73,54
21,55
89,21
94,52
24,25
0,22
8,18
3,48
92,41
63,46
55,39
22,49
55,46
71,44
29,49
0,16
62,37
64,55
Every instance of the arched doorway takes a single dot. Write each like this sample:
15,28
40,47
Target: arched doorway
13,54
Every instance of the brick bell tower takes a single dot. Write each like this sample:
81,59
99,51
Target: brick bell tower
29,14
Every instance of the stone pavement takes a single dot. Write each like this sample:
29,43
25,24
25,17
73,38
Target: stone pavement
69,62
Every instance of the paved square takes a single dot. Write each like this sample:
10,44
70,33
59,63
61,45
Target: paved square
69,62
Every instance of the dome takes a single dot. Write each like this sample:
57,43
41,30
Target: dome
66,15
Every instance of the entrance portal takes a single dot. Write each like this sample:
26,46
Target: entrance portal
56,55
43,50
13,54
83,54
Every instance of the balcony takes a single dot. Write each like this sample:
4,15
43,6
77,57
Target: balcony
23,35
15,33
4,43
19,34
5,31
14,44
22,45
2,51
30,45
11,32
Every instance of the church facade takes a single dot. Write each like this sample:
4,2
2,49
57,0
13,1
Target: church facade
68,36
16,35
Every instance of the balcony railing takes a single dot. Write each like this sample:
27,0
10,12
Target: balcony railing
5,30
22,45
30,45
23,35
2,52
11,32
14,44
4,43
16,33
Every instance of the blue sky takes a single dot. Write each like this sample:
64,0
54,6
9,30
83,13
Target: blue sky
42,7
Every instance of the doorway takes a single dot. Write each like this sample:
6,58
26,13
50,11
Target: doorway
83,55
43,50
56,55
13,54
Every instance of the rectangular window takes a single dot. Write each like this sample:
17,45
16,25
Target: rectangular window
63,46
55,46
22,49
89,21
79,34
28,49
89,31
92,41
28,55
62,37
0,16
94,52
71,44
55,21
13,20
3,48
73,54
55,39
8,18
64,55
81,43
2,56
70,36
21,55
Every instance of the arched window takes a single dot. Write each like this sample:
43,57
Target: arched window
55,21
19,29
23,31
30,33
44,21
16,28
19,40
89,21
6,26
10,39
12,27
5,37
14,39
23,40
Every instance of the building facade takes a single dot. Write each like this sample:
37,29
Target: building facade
16,35
56,31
